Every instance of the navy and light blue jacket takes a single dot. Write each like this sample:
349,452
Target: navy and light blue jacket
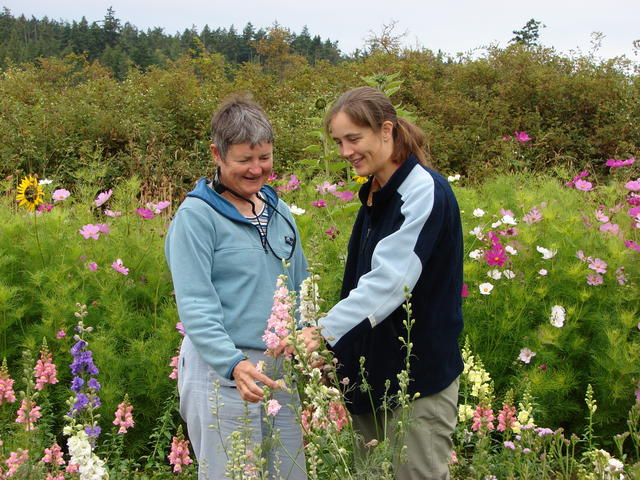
411,236
224,276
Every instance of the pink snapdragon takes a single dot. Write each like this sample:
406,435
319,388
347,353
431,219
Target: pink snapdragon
273,407
15,461
124,416
103,197
280,318
613,163
90,231
53,455
45,370
28,414
119,267
506,417
482,419
174,366
6,385
179,455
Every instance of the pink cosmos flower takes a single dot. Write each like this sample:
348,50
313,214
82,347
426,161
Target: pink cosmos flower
631,245
526,355
633,211
28,414
633,185
90,231
110,213
510,445
522,137
124,416
598,265
272,177
292,184
600,216
594,279
579,176
119,267
319,203
103,197
331,231
53,455
273,407
326,187
345,195
93,266
45,370
158,207
619,163
610,228
60,194
583,185
103,228
144,213
533,216
45,207
61,334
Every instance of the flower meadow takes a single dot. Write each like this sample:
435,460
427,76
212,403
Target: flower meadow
551,386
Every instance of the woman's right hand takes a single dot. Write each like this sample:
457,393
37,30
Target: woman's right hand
245,375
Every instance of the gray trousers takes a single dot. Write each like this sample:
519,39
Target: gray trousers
213,413
428,440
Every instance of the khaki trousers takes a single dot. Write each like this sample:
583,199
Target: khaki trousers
428,439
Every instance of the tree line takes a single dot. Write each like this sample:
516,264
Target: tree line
119,46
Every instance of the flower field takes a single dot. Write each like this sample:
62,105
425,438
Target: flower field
551,387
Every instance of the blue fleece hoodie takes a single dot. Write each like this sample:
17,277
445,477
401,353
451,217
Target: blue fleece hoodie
224,277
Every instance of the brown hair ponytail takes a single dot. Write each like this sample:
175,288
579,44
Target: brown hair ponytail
369,107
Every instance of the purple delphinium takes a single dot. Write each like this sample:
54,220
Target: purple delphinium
76,384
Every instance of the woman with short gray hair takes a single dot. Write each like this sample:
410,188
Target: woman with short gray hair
225,248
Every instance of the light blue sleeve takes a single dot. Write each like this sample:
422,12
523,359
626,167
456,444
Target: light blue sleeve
189,251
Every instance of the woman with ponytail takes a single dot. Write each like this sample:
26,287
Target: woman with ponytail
407,234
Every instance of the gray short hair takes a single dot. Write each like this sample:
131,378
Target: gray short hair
240,120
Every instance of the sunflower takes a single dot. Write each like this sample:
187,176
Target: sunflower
29,193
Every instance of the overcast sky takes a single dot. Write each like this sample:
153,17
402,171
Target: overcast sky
454,26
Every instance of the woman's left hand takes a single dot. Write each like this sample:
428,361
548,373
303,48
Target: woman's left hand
311,339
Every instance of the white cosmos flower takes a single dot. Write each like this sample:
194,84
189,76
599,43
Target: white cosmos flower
557,316
45,181
508,274
496,224
526,355
509,220
495,274
542,272
453,178
476,254
546,253
477,232
478,212
296,210
485,288
510,250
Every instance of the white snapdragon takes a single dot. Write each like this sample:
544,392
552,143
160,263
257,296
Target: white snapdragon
557,316
90,466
